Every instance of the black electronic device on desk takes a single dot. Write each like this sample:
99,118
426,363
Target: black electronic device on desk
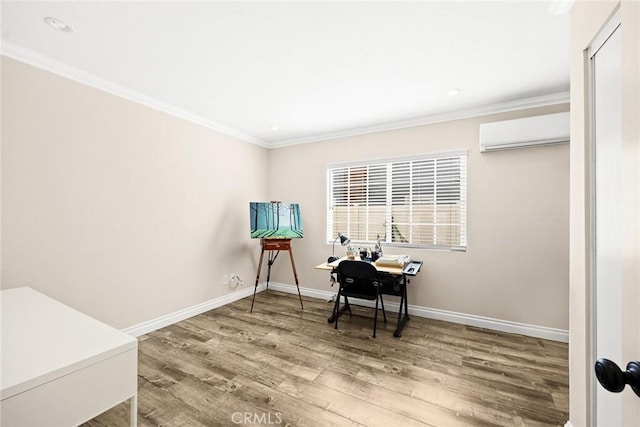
412,268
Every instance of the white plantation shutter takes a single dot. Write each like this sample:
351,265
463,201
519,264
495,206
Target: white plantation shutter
418,201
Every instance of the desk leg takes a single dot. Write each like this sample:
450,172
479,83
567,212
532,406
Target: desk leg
133,410
336,311
402,319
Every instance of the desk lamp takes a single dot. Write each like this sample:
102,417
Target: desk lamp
344,241
378,247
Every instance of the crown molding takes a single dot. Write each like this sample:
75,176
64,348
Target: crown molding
49,64
46,63
521,104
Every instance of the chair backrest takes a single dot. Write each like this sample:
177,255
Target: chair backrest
358,279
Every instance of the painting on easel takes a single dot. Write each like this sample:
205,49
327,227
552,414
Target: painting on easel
275,220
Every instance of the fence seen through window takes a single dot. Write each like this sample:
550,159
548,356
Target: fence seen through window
418,202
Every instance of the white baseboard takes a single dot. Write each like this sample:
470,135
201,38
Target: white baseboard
170,319
568,424
544,332
430,313
307,292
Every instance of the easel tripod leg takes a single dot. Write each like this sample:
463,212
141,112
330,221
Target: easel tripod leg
270,262
295,276
255,288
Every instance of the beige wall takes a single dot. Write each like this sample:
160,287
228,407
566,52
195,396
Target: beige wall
587,19
516,267
129,214
116,209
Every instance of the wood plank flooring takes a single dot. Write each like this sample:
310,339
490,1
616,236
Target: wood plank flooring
285,366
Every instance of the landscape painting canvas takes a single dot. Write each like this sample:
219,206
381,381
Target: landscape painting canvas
275,220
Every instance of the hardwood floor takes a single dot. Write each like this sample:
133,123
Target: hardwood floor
285,366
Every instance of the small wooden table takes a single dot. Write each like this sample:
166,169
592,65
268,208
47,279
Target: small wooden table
397,286
60,367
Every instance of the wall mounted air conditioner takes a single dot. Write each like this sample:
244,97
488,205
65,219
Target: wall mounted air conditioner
526,132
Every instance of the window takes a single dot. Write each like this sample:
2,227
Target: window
417,202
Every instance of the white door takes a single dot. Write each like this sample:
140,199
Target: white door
607,154
612,314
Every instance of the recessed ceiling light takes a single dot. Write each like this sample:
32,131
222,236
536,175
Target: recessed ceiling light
453,92
560,7
274,128
58,24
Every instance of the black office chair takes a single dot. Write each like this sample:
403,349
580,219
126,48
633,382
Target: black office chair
359,279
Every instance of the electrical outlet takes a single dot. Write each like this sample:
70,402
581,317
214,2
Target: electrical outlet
225,279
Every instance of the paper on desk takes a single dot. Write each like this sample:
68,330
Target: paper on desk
393,260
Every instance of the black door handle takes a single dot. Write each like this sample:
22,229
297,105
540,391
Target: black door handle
611,377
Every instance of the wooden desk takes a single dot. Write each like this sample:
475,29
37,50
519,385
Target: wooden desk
396,284
60,367
396,271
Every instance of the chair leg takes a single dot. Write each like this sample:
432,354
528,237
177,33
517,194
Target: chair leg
335,326
375,319
384,314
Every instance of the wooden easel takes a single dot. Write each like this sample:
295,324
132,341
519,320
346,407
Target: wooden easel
272,245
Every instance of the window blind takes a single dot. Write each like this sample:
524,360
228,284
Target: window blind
417,202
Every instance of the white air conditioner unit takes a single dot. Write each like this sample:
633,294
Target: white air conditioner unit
527,132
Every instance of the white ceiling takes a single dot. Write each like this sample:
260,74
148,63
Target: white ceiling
313,69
